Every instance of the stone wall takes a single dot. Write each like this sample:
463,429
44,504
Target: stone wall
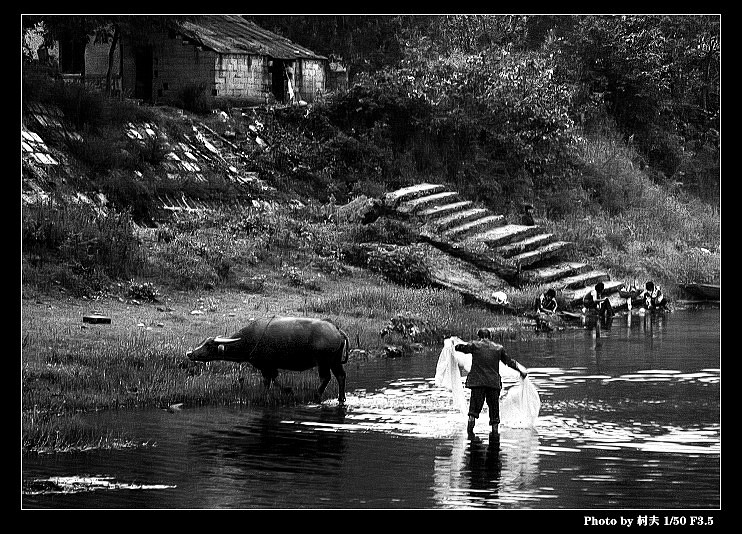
242,76
176,65
312,79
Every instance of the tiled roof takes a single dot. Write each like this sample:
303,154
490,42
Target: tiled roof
232,34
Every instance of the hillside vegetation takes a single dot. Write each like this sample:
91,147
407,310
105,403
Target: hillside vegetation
607,125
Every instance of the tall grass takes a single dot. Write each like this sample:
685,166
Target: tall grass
77,242
366,313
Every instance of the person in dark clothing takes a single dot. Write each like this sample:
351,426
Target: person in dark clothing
526,218
652,296
595,301
546,302
484,378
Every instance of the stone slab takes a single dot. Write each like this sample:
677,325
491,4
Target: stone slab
550,250
505,234
408,193
481,224
416,204
525,245
457,218
445,209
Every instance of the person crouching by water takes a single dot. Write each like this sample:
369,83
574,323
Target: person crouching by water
546,302
484,378
595,301
652,296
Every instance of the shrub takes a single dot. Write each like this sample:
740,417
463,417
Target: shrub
188,263
195,98
126,192
331,265
84,107
143,291
412,328
401,265
99,153
82,238
296,278
255,284
382,230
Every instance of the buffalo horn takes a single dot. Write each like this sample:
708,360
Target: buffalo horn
225,340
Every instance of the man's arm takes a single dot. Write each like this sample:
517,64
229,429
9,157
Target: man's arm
464,347
507,360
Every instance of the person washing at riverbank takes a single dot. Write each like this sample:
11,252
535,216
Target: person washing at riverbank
652,296
546,302
595,301
484,379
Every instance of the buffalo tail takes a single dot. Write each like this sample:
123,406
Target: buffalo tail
346,347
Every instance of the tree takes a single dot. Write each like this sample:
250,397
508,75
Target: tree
657,76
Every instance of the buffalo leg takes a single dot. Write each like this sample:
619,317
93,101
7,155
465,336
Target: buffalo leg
325,376
339,372
269,375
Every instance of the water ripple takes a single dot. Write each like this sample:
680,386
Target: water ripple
80,484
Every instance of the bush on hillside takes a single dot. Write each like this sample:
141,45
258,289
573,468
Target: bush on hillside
79,240
195,98
84,107
386,104
401,265
127,192
189,263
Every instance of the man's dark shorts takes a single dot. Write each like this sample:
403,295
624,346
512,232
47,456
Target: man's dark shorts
476,402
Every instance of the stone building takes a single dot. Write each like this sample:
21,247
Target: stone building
224,55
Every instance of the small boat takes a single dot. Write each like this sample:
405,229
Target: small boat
703,291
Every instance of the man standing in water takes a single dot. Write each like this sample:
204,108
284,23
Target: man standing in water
484,378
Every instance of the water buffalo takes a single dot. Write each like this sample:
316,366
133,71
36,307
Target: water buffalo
292,343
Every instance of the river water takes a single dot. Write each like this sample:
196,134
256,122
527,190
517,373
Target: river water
630,419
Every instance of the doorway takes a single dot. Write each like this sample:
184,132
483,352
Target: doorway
278,79
143,73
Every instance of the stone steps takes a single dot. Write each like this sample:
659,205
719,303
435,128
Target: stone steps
552,273
505,234
394,198
550,250
481,224
180,204
526,245
424,201
445,209
589,278
457,218
478,252
459,275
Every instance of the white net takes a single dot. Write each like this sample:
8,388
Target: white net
519,404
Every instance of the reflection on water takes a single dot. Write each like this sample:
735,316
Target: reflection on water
629,419
496,471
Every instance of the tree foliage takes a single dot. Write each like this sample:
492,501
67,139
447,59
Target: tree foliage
528,81
657,77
